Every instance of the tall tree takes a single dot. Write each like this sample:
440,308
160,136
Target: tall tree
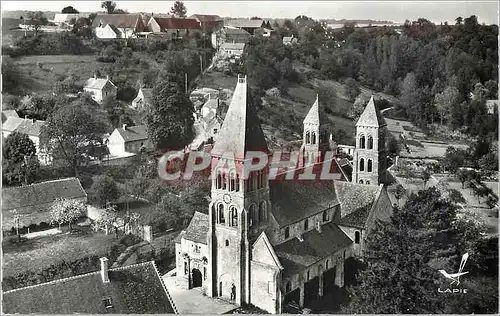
179,9
445,101
351,88
38,19
109,6
20,164
170,119
67,139
66,211
69,9
104,190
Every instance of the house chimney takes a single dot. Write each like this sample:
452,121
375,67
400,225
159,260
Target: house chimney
104,270
33,121
124,127
26,117
95,76
107,77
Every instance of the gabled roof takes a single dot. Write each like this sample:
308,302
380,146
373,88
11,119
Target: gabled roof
197,229
355,198
241,130
233,46
147,95
128,21
316,114
97,83
135,289
30,127
371,116
296,255
230,31
247,23
11,123
114,29
269,256
41,193
8,113
176,23
133,133
206,17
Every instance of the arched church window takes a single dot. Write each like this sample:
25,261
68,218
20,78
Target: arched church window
232,181
370,165
362,164
287,232
308,138
313,138
357,236
237,182
219,180
370,142
224,181
253,215
262,211
367,181
362,141
361,181
233,214
220,214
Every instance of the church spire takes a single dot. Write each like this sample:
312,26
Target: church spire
315,114
241,130
371,116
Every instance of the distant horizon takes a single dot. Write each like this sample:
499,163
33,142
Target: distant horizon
396,11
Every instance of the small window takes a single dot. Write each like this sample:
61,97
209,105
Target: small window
306,224
107,302
356,237
288,287
287,232
185,268
370,165
227,243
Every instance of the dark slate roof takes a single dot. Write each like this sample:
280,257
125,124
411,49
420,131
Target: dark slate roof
175,23
118,20
133,133
371,116
296,255
197,229
135,289
241,130
357,218
41,193
354,198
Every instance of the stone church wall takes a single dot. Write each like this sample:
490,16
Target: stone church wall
263,286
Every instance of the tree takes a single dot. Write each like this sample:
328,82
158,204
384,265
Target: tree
70,10
459,20
20,164
143,177
462,175
445,101
12,78
109,6
351,88
455,196
426,175
453,159
105,190
398,191
393,146
480,191
66,211
170,119
67,139
38,19
358,107
107,218
179,9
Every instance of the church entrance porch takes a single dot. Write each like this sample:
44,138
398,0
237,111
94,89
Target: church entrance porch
329,280
196,278
311,290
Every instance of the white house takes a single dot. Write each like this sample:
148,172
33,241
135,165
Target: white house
289,40
128,139
144,97
66,18
100,88
232,49
120,25
491,105
109,31
209,118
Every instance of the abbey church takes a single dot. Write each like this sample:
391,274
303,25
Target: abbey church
268,240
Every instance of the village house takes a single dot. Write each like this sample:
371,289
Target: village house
100,88
8,113
30,204
120,25
209,117
229,35
232,50
491,105
289,40
108,290
128,140
270,242
66,19
209,23
143,99
246,24
174,28
30,127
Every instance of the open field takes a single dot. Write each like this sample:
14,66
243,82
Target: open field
39,253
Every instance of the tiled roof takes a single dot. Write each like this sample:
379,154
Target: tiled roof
241,130
371,116
355,196
41,193
197,229
175,23
357,218
119,20
97,83
205,17
133,133
135,289
233,46
8,113
296,255
30,127
316,114
239,23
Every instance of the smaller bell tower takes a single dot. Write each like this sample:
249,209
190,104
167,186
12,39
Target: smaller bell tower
316,135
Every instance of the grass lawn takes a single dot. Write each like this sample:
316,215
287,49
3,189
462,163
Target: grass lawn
39,253
216,80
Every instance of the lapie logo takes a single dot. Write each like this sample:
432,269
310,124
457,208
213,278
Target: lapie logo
455,277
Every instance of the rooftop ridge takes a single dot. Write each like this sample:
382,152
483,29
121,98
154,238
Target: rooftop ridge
52,282
40,183
135,265
170,299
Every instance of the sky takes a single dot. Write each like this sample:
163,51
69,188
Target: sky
397,11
